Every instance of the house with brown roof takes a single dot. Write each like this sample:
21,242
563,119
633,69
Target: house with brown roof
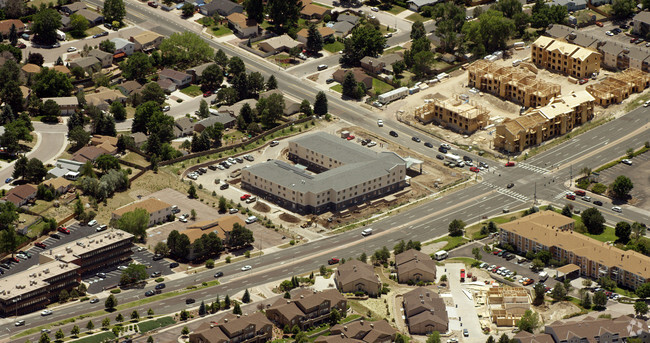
359,76
307,309
197,72
67,104
167,85
146,41
158,210
325,32
21,195
139,138
73,7
89,64
5,26
108,143
378,331
242,26
279,44
129,87
222,227
183,126
425,311
62,69
553,232
415,266
179,78
60,185
30,69
234,109
103,97
253,328
312,11
105,58
527,337
601,330
93,17
356,276
88,153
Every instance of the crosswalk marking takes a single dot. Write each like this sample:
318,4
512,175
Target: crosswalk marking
507,192
533,168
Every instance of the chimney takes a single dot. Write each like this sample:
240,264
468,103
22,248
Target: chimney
225,320
372,325
361,321
342,335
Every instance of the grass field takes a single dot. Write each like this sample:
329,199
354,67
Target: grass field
452,242
396,10
607,235
334,47
415,17
100,337
337,88
192,91
322,5
380,87
221,30
135,158
154,324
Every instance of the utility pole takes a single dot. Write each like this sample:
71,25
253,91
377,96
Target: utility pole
571,175
535,194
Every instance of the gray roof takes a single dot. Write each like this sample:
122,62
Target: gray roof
359,164
86,62
57,172
638,54
184,123
348,18
576,3
420,3
120,43
211,120
99,54
343,26
90,15
643,17
612,48
2,130
224,7
198,70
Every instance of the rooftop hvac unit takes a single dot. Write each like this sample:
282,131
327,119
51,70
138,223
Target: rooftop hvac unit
32,275
91,241
46,270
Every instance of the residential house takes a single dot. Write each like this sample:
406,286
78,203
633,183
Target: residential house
93,18
306,308
527,337
222,227
89,64
65,168
158,210
355,276
5,26
146,41
108,143
602,330
5,56
128,87
342,28
30,69
413,265
73,7
105,58
388,60
566,58
279,44
379,331
226,119
253,328
181,79
242,26
197,72
223,7
123,45
88,153
326,32
139,138
60,185
234,109
183,127
336,339
103,97
352,19
571,5
641,23
425,312
167,85
62,69
21,195
359,76
67,104
313,11
65,23
372,64
291,105
416,5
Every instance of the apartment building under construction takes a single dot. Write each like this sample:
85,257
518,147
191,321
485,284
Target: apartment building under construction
565,58
515,84
456,114
618,87
540,124
507,304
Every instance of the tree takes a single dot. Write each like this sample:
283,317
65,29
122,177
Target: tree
349,85
51,109
623,231
79,137
106,322
135,315
50,83
11,95
185,331
283,13
45,23
643,291
255,82
135,222
35,58
585,300
118,111
110,303
456,227
417,30
13,35
202,309
640,308
508,7
621,187
271,83
335,316
398,67
114,10
270,109
106,162
20,167
320,105
623,8
45,338
150,312
161,248
529,321
183,50
107,46
119,318
366,40
204,109
136,67
566,211
221,59
540,291
133,274
75,331
187,10
153,92
314,39
477,253
192,192
246,298
59,334
255,10
638,229
78,25
150,339
212,77
593,220
240,236
35,171
600,299
236,309
90,325
490,32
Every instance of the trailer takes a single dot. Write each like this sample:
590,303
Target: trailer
453,158
393,95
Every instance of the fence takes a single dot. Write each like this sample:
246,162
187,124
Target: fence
244,45
131,164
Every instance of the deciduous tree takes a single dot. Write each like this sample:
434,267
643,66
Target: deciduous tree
593,220
184,50
45,23
114,10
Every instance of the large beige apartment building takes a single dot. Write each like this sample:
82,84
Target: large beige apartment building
158,210
537,125
515,84
333,175
454,114
507,304
565,58
553,232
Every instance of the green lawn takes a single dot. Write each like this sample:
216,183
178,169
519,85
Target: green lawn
337,88
221,30
192,91
415,17
334,47
396,10
101,337
452,242
322,5
393,49
154,324
380,87
607,235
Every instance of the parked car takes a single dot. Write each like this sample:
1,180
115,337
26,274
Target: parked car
101,275
155,274
510,185
173,265
244,197
92,222
157,257
333,260
598,203
474,169
40,245
428,145
190,301
160,286
46,313
63,230
71,49
440,157
94,300
626,161
207,94
416,139
617,209
19,322
149,293
224,186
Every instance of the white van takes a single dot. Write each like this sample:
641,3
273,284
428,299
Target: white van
441,255
251,220
366,232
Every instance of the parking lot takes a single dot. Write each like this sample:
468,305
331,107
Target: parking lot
637,172
600,33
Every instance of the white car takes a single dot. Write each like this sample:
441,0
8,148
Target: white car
374,9
122,267
220,167
609,33
92,222
626,161
72,49
380,123
617,209
371,144
166,109
46,312
245,268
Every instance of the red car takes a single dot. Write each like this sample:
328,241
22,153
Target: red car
474,169
632,40
13,259
580,192
244,197
63,230
350,137
496,252
571,197
333,260
599,24
510,164
207,94
40,245
21,45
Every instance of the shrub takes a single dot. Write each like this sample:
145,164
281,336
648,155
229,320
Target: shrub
599,188
209,263
116,291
